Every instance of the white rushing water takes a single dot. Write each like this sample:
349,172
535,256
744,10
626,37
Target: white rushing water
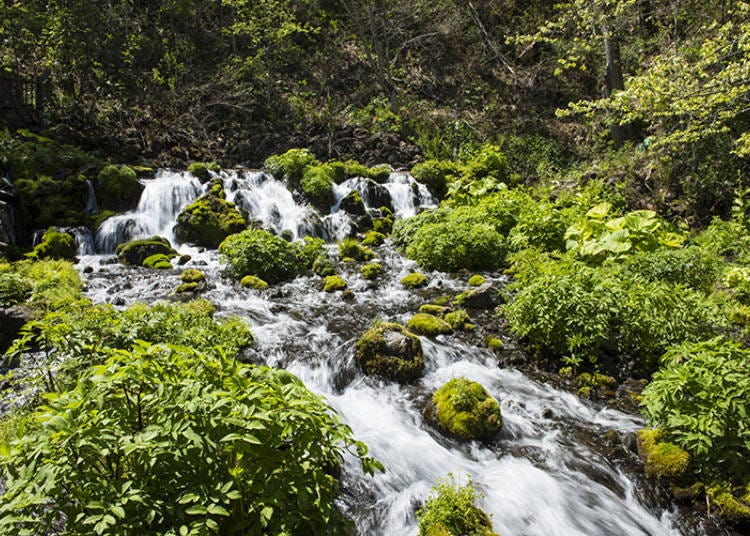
543,475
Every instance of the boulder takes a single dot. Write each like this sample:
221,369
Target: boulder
485,296
463,408
209,220
12,319
389,350
136,252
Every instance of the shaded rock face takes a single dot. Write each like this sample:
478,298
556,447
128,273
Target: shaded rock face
7,214
483,297
375,195
352,204
12,320
137,251
390,351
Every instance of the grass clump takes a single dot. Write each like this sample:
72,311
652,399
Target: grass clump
451,510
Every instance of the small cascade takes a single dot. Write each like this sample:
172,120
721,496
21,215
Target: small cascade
161,201
408,195
91,207
270,202
84,240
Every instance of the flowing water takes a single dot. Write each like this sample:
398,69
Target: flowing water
546,473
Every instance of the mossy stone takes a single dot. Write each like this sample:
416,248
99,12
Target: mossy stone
159,261
371,270
350,248
458,319
317,184
477,280
54,245
391,351
135,252
414,280
661,458
383,225
192,286
430,325
465,409
433,309
323,266
117,188
202,170
333,283
732,506
209,220
495,344
251,281
191,275
373,238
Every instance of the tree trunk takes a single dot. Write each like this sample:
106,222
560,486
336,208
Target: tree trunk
614,81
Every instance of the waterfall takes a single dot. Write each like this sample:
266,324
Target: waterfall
161,201
91,206
408,195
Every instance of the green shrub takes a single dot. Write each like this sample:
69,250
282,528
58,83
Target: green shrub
45,285
539,225
692,267
54,245
701,398
317,183
291,164
451,510
436,175
414,280
350,248
163,439
464,408
117,188
262,254
489,161
208,220
14,289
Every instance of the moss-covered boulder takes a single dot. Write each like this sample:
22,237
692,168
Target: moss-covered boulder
209,219
484,296
135,252
192,275
371,270
117,188
262,254
159,261
317,184
202,170
250,281
350,248
389,350
434,309
373,238
477,280
436,175
54,245
333,283
465,409
323,266
414,280
733,503
459,319
427,324
353,205
44,201
661,458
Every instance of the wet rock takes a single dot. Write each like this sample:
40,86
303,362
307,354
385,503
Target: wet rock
353,204
209,219
485,296
12,320
391,351
465,409
135,252
184,259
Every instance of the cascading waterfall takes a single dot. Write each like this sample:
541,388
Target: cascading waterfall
546,473
161,201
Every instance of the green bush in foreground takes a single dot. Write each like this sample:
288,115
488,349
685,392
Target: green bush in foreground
262,254
451,510
46,285
166,440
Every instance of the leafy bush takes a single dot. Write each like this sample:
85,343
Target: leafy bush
291,164
117,187
489,161
436,175
701,397
539,225
54,245
317,182
692,267
46,285
14,289
164,440
262,254
451,510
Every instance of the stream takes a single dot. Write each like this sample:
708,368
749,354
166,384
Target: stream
547,473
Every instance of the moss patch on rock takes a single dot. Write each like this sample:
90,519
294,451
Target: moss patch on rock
117,188
159,261
459,319
333,283
426,324
250,281
465,409
661,458
733,505
135,252
350,248
317,184
54,245
373,238
433,309
477,280
209,219
371,270
192,275
391,351
414,280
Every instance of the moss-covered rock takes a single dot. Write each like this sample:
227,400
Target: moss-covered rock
350,248
732,504
117,188
458,319
44,201
333,283
190,287
323,266
495,344
436,175
159,261
202,170
426,324
250,281
371,270
389,350
192,275
209,219
661,458
291,165
451,510
373,238
484,296
434,309
383,225
414,280
135,252
54,245
262,254
477,280
317,184
465,409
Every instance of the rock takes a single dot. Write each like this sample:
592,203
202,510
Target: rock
485,296
251,281
183,260
158,261
662,459
334,283
371,270
376,196
7,223
117,188
464,409
389,350
135,252
426,324
191,275
54,245
414,280
209,219
352,204
12,319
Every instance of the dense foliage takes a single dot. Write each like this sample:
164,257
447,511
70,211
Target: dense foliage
262,254
451,510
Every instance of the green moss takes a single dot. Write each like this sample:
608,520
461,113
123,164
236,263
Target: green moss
477,280
661,459
371,270
158,261
391,351
44,201
495,344
451,511
433,309
188,287
202,170
191,275
458,319
351,248
291,165
54,245
373,238
317,183
323,266
382,225
251,281
465,409
436,175
117,188
414,280
333,283
209,219
263,254
425,324
136,252
734,507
